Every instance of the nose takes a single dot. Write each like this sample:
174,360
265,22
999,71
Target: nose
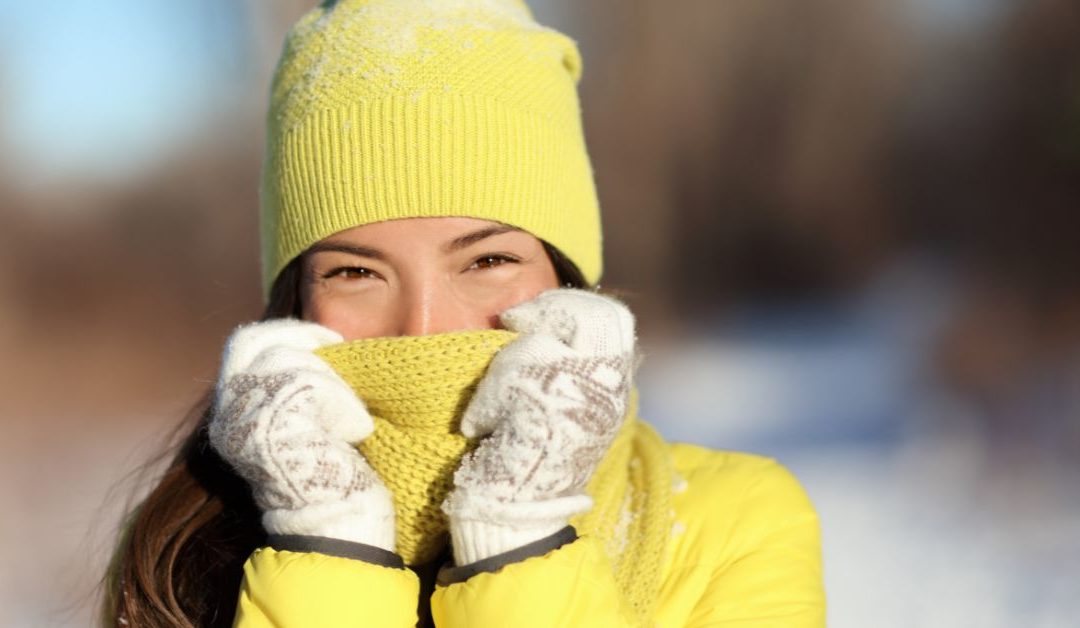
433,308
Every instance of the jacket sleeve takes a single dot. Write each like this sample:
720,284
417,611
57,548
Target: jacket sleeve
295,589
767,568
570,586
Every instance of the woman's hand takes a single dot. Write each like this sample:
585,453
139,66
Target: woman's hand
289,425
550,405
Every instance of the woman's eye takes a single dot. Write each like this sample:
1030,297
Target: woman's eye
350,272
491,261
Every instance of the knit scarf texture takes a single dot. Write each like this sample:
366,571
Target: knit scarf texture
416,389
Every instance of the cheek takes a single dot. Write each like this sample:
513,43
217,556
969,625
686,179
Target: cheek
343,317
525,289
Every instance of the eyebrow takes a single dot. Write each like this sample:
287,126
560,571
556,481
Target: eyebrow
352,249
468,239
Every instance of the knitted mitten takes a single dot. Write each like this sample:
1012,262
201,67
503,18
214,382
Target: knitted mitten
289,425
550,405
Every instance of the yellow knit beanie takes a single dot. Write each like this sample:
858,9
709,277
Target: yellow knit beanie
387,109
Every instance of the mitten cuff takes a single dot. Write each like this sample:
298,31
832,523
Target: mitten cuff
481,527
453,574
474,541
368,518
335,547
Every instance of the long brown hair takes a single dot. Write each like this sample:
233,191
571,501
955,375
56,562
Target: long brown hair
179,560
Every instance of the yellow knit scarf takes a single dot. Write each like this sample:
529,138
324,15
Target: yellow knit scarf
416,388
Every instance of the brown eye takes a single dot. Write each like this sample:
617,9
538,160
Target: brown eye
491,261
350,272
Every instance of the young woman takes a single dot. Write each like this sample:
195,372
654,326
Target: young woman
434,423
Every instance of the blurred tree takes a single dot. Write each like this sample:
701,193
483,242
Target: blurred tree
995,179
741,148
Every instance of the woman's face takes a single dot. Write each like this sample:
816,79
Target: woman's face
420,276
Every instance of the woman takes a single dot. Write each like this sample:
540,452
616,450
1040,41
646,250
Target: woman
434,422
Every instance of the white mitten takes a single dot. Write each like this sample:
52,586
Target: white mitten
289,424
551,403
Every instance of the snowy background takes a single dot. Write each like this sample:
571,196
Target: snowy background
926,521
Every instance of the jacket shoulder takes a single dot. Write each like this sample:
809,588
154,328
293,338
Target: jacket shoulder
745,547
736,502
712,465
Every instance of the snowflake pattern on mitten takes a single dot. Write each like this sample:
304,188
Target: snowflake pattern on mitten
289,426
550,405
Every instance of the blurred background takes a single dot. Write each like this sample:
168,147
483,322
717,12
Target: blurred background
848,228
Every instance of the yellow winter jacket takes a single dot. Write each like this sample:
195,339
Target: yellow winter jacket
744,551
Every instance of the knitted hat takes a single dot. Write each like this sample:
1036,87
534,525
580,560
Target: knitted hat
387,109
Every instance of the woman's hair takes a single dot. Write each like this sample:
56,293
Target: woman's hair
179,560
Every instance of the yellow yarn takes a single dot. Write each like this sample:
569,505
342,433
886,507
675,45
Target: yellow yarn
632,512
387,109
416,388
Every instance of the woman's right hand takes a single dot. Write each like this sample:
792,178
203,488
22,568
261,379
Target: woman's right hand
289,425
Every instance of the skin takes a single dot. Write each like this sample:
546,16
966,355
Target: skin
419,276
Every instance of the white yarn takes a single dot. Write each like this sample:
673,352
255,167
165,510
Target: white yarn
549,405
289,424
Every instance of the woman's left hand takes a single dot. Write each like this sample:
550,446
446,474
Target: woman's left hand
550,405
